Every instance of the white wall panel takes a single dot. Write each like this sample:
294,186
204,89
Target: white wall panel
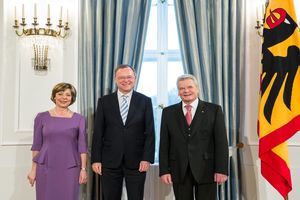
24,93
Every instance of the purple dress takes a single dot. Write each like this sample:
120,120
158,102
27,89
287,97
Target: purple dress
59,141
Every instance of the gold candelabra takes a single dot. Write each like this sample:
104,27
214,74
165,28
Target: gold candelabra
259,27
41,60
260,19
61,32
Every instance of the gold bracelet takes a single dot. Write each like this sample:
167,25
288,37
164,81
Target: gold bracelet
83,168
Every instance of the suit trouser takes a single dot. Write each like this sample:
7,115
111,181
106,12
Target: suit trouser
189,189
112,183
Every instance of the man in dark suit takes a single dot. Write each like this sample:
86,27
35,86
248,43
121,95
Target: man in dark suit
123,140
193,151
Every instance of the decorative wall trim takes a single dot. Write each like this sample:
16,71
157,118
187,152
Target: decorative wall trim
23,92
290,144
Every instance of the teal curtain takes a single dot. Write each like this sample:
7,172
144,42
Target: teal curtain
211,35
120,32
85,78
111,32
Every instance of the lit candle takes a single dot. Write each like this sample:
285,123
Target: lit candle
23,11
257,13
35,15
48,11
263,10
15,12
67,15
61,10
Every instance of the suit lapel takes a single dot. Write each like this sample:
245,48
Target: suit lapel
132,107
199,116
116,106
180,119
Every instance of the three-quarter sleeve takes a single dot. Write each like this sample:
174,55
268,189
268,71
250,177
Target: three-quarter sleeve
37,133
82,144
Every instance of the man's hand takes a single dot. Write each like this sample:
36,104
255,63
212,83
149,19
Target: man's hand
97,168
166,178
220,178
144,166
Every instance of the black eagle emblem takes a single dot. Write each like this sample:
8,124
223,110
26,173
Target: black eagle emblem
282,26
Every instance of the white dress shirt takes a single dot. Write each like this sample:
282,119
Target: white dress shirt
120,98
194,105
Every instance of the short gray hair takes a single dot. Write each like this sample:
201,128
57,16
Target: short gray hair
187,76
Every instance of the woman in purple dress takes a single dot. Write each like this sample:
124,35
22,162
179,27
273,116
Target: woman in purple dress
59,149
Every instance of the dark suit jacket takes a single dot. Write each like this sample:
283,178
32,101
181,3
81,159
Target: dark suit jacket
203,145
114,142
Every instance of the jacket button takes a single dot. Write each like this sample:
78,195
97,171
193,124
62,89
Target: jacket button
189,135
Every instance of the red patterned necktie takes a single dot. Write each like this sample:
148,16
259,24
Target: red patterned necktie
188,115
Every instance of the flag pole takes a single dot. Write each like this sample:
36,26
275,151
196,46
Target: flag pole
287,197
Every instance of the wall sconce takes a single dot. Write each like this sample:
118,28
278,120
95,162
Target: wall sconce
260,19
41,61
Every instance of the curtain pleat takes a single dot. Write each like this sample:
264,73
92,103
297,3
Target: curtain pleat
85,78
121,27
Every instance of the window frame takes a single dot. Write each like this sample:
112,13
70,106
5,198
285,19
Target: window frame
162,56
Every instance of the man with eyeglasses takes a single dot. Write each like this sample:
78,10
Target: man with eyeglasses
123,141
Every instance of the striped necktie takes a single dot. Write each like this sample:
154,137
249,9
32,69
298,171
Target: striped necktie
124,108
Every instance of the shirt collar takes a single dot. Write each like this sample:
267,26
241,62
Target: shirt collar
120,94
194,104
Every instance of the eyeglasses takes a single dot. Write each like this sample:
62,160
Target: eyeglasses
121,78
